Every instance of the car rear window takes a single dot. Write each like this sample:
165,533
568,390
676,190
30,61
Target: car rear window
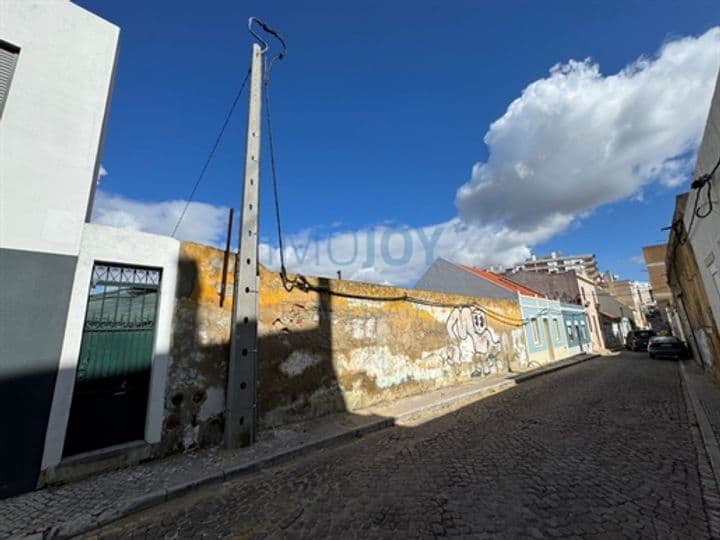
665,339
645,334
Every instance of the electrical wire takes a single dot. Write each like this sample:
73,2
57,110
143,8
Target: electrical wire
703,181
212,152
273,168
300,281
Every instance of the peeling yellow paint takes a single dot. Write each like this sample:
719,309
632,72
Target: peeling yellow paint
320,351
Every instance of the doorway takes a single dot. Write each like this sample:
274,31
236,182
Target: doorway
113,375
548,337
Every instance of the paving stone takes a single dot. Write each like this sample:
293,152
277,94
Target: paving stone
604,449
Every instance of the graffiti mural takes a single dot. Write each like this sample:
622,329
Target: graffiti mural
472,340
518,347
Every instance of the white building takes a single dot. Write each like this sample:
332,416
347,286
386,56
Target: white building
56,70
584,264
702,215
57,63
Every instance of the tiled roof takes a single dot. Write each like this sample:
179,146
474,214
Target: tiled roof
502,281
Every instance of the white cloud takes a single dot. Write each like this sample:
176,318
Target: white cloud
571,142
202,223
399,255
577,139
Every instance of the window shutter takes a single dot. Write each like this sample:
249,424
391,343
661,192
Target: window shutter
8,59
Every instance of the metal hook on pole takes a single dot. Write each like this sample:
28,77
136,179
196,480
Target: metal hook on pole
264,44
268,30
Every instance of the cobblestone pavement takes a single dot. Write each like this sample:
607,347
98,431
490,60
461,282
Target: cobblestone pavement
603,449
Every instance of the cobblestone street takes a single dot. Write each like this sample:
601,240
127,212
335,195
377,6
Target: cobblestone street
601,449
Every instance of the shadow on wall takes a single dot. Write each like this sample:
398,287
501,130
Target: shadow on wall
197,375
297,377
336,346
25,397
343,345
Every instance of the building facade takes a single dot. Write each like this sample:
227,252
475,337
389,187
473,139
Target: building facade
552,329
701,217
585,264
572,290
591,304
560,286
615,319
665,316
58,62
629,293
689,293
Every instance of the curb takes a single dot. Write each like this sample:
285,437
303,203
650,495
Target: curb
470,395
88,523
522,377
710,442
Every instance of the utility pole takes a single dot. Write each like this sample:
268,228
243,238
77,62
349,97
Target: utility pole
240,401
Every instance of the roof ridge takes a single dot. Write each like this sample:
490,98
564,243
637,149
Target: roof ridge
502,281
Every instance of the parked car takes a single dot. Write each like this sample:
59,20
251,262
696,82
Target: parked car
637,340
666,346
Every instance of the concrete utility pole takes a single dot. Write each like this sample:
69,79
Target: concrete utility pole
240,404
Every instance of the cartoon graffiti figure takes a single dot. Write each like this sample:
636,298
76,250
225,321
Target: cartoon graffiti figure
468,325
518,346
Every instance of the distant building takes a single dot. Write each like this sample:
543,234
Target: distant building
655,256
644,293
607,278
591,303
615,318
552,329
562,286
568,287
629,293
585,264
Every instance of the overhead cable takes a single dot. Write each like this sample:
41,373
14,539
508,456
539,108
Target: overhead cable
212,152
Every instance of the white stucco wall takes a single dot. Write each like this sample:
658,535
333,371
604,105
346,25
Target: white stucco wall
52,123
705,233
119,246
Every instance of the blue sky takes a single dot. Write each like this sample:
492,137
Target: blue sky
380,111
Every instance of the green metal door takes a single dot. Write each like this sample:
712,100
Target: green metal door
116,352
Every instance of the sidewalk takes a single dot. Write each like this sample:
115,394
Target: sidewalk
705,400
68,510
702,397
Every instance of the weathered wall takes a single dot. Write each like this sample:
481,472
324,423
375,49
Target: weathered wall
686,283
327,351
702,232
195,391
